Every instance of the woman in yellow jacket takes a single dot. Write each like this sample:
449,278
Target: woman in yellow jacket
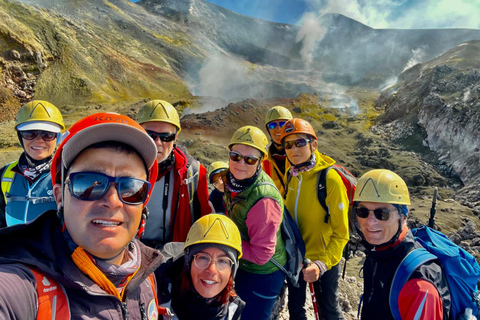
324,239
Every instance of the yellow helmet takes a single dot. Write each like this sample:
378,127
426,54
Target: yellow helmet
277,113
159,110
381,185
250,136
39,111
214,168
215,228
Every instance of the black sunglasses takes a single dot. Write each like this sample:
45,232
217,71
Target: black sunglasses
164,136
91,186
32,134
272,125
250,160
381,214
298,143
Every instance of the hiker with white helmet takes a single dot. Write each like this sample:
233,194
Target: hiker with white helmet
201,279
214,171
324,230
26,187
381,212
276,163
256,206
181,194
82,261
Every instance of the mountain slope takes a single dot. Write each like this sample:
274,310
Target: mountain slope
437,105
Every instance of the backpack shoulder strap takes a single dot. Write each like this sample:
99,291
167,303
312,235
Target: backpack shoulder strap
193,174
52,299
322,191
7,179
409,264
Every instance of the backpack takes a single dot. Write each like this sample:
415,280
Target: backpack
348,180
294,247
53,301
458,266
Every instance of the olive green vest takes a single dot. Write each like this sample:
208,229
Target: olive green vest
238,209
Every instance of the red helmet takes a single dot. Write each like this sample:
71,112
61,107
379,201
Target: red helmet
297,126
101,127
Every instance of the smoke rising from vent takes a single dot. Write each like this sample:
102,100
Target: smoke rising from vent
418,56
310,34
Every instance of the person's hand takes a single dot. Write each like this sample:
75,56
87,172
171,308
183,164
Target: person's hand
313,271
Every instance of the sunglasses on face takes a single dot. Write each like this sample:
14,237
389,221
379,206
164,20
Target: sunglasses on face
298,143
381,214
203,260
274,124
164,136
32,134
91,186
250,160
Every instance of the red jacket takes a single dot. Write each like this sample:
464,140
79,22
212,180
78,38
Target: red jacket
182,218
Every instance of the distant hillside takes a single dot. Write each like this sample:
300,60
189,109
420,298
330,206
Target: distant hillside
76,52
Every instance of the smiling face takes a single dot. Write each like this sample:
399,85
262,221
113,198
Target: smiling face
240,169
39,149
375,231
298,155
209,282
103,227
163,148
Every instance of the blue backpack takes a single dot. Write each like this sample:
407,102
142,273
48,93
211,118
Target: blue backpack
294,247
459,267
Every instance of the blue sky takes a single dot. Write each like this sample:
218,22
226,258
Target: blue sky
404,14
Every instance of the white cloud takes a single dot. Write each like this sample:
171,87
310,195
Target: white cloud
405,14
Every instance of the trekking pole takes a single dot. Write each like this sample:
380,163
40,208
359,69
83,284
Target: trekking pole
431,221
306,263
345,255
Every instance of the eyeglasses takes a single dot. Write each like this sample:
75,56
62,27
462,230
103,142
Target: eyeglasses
217,182
272,125
298,143
164,136
381,214
203,260
32,134
250,160
91,186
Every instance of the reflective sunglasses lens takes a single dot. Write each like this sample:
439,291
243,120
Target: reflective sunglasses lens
362,212
152,134
272,125
132,191
382,214
301,143
88,186
166,137
281,123
29,134
288,144
48,136
250,160
234,156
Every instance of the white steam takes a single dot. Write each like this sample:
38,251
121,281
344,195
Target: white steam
310,34
417,57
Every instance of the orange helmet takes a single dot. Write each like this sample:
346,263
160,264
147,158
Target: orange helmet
101,127
297,126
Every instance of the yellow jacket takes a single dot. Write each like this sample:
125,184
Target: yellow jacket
323,241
